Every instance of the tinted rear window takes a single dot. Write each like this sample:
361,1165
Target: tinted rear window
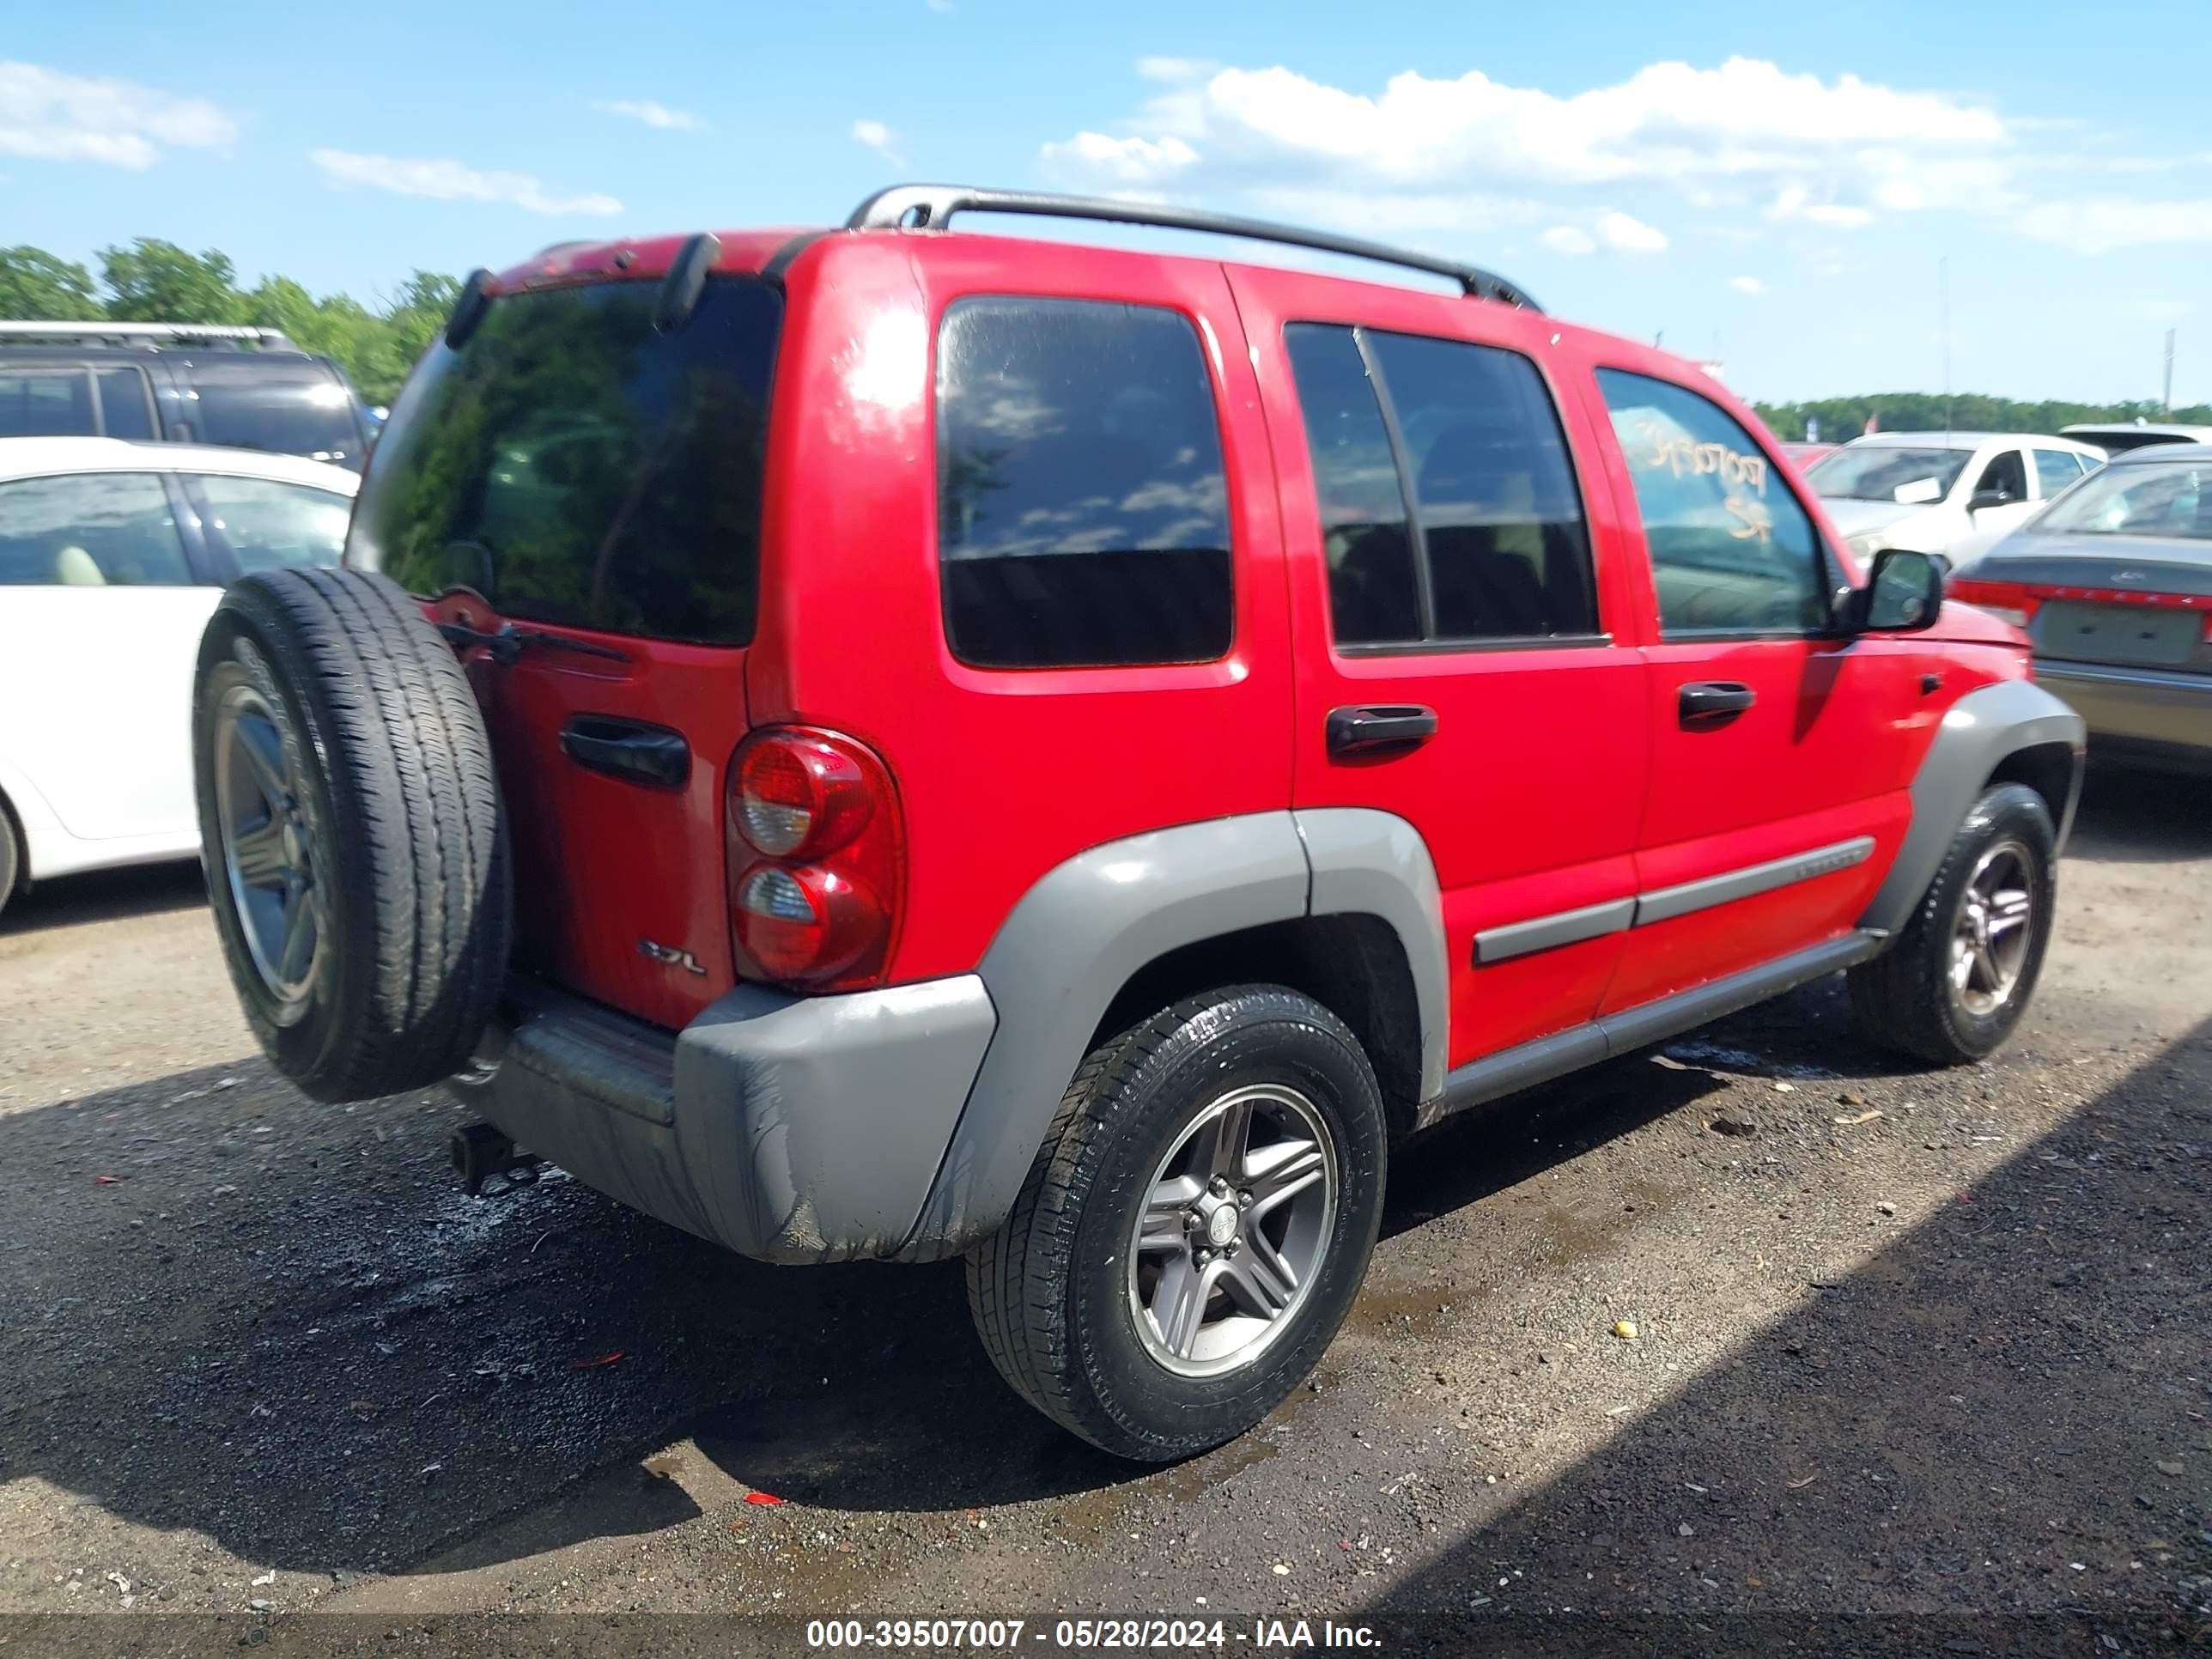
44,402
284,409
574,465
1081,515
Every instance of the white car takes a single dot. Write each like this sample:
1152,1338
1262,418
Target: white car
1932,491
113,555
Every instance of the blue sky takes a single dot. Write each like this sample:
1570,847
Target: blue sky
1776,182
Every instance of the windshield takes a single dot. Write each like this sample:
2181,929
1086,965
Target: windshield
574,464
2150,498
1885,472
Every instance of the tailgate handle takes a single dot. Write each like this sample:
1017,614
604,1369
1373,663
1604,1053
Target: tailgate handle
630,749
1714,702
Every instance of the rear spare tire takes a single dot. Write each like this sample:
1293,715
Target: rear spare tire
351,831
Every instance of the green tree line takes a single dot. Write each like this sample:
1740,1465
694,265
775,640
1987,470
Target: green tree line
157,282
1843,418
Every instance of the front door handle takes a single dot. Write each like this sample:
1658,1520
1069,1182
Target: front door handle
1709,703
1377,728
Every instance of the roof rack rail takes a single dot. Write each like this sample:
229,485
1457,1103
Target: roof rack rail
932,207
167,332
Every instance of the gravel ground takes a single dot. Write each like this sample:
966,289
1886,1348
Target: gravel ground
1916,1356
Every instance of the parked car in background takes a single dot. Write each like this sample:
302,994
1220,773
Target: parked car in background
1931,490
1480,697
1805,454
246,388
112,558
2120,435
2114,585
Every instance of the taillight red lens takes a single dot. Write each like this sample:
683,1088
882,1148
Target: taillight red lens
2008,600
816,859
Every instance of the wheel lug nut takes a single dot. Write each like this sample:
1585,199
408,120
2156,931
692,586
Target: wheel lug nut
1220,1185
1244,1201
1204,1256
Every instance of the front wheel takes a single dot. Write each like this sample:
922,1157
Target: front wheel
1958,977
1195,1228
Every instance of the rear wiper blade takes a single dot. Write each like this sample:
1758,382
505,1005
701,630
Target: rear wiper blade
507,642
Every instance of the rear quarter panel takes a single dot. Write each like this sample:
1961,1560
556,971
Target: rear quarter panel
1002,775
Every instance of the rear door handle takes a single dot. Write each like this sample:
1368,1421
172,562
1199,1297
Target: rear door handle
630,749
1714,702
1376,728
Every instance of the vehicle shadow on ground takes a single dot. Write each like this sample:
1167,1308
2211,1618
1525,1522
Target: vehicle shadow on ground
2003,1410
283,1325
2129,817
104,896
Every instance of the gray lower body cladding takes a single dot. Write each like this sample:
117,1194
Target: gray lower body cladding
794,1129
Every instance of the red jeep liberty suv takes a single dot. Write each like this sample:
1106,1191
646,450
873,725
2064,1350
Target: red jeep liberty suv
895,743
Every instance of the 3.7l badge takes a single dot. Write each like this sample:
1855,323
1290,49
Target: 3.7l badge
669,955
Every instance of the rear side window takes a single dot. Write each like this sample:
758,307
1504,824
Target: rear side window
1732,552
90,529
126,405
36,402
265,524
2054,470
1083,513
288,408
1494,547
571,464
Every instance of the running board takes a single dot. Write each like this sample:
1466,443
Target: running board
1529,1064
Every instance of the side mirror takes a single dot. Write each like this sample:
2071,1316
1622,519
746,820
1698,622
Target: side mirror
1903,594
1987,498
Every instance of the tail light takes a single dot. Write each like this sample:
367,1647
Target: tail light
2006,601
817,859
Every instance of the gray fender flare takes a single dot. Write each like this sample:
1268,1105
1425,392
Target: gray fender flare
1088,925
1979,732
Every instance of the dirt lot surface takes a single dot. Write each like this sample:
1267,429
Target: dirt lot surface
1916,1355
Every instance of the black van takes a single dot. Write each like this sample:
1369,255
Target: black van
250,388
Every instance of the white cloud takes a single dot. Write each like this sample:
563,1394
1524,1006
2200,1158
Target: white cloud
1122,160
654,114
1750,285
875,136
1567,238
1394,213
1795,203
50,116
2100,224
444,180
1630,235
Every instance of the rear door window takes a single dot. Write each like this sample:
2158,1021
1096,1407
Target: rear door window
574,464
2054,470
90,529
2006,475
1732,551
1083,513
286,409
265,524
1496,548
37,403
126,403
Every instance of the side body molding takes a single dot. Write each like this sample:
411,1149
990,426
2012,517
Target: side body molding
1091,924
1979,732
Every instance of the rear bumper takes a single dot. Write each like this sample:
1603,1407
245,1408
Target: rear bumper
796,1130
2134,706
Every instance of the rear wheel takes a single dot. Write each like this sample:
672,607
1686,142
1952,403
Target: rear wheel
1196,1226
11,855
351,831
1958,979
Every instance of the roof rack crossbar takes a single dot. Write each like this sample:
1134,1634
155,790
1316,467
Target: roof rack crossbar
108,331
932,207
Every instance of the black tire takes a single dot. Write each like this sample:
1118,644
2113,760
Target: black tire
387,763
11,855
1050,1292
1904,1000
